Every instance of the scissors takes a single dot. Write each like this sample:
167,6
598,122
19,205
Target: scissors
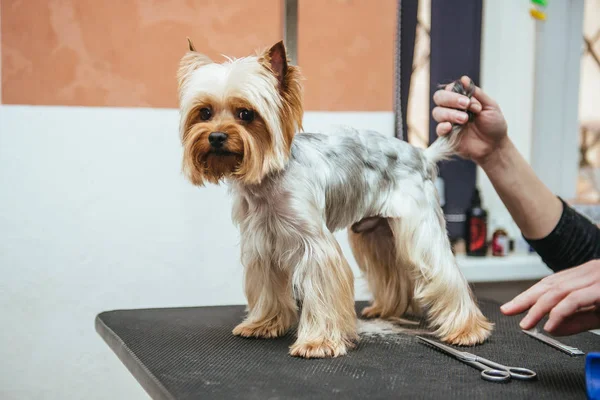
490,371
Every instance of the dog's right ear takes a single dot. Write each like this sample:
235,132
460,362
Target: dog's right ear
191,45
191,61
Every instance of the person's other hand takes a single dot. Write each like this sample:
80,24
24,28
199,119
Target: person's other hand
571,297
486,133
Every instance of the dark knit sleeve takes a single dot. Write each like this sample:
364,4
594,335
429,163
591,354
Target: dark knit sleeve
574,241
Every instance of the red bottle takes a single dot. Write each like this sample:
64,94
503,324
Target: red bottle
476,232
500,243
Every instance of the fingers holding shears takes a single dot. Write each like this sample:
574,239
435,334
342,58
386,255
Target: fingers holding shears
583,301
546,298
581,321
570,296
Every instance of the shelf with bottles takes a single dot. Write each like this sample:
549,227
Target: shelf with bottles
493,249
516,264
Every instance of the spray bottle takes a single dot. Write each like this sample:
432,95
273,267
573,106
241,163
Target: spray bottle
476,230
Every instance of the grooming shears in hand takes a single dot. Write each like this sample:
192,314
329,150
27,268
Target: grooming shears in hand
490,371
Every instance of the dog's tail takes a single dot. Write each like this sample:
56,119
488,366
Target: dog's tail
445,146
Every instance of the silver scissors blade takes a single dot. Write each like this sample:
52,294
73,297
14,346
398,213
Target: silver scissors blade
461,355
490,371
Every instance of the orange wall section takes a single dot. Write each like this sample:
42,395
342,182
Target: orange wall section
120,53
346,51
124,53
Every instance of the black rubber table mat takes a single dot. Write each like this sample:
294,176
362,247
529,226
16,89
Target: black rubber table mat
190,353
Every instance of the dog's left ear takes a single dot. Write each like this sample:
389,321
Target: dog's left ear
275,59
190,62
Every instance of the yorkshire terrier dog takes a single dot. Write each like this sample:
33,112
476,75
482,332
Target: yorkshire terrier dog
241,122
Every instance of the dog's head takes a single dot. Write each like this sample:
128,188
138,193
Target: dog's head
238,118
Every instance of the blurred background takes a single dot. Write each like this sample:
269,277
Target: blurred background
95,214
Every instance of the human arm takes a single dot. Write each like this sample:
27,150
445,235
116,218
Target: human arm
535,209
559,234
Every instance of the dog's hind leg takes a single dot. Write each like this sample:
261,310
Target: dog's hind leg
440,288
387,276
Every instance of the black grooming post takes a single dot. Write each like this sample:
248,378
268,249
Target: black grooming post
455,51
406,32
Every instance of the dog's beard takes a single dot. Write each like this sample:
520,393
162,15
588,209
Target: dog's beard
219,165
202,163
247,155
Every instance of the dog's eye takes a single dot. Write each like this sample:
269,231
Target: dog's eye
205,114
246,115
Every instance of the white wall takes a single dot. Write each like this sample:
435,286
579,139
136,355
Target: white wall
507,75
531,68
95,215
555,157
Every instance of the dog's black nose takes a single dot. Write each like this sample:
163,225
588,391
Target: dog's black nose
217,139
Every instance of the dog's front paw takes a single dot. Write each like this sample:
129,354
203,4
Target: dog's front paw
372,311
476,331
320,348
263,329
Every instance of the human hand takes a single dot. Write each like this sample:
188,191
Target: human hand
481,137
571,297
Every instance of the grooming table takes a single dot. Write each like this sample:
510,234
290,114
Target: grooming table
190,353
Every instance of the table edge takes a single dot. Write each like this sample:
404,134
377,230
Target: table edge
153,387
